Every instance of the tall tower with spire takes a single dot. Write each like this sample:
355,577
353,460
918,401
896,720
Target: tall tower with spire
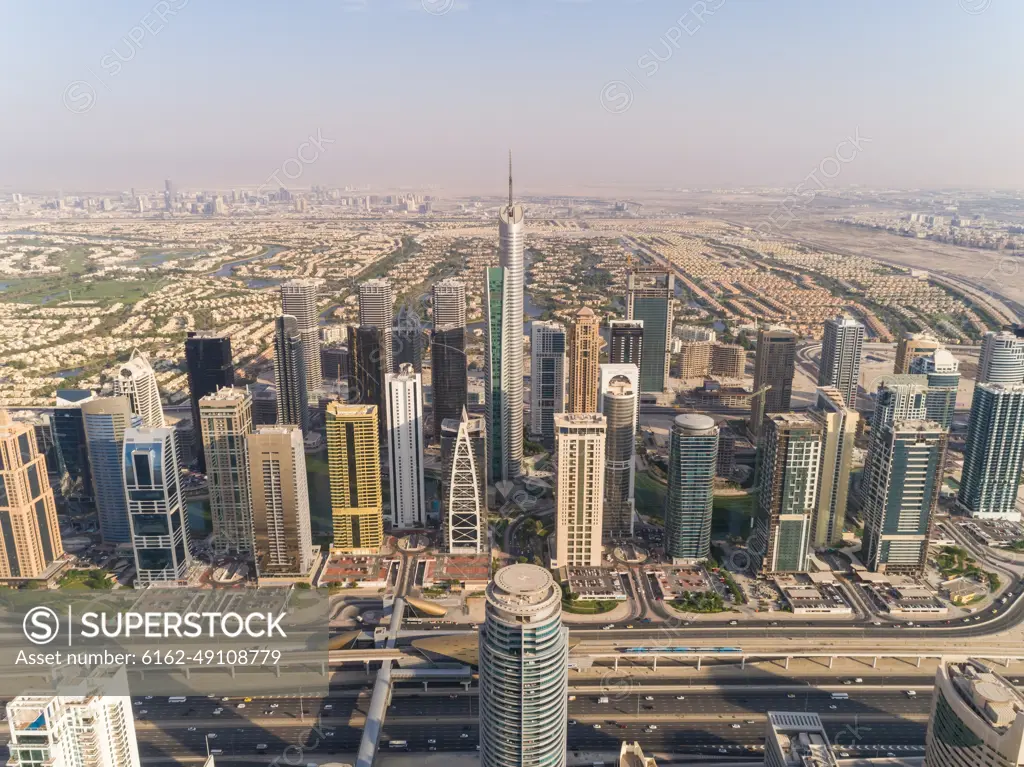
504,297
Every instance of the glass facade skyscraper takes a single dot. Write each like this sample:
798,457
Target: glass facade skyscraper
210,367
156,506
106,420
994,453
547,379
787,493
649,295
524,671
693,457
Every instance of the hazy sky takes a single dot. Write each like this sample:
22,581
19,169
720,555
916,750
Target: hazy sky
223,92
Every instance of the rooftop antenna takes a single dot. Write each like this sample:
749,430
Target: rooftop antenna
510,178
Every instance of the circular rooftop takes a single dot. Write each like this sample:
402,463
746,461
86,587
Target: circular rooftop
695,422
523,579
993,693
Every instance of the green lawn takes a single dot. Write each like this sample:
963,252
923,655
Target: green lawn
650,496
731,514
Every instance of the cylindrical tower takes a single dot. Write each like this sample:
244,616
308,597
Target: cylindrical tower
511,237
619,407
691,487
524,672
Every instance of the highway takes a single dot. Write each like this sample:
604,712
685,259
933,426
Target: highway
685,719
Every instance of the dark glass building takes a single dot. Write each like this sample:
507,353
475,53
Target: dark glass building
74,469
450,381
290,373
368,357
626,342
210,367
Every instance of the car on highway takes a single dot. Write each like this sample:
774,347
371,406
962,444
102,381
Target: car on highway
431,741
680,697
735,725
833,706
261,747
240,705
572,721
144,711
211,735
463,735
597,726
191,729
791,695
648,697
653,726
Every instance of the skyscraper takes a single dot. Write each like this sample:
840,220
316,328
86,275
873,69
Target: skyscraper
264,404
547,378
841,350
1002,358
210,367
29,532
649,295
693,455
72,450
334,363
788,492
900,398
839,430
353,461
377,310
298,300
407,338
226,419
618,404
910,347
584,353
156,507
405,448
626,342
524,670
106,420
449,377
290,373
774,367
504,348
449,300
368,354
579,496
280,502
977,718
504,454
994,456
905,460
464,485
136,380
943,372
797,739
72,731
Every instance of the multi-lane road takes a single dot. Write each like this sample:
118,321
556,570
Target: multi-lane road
878,716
